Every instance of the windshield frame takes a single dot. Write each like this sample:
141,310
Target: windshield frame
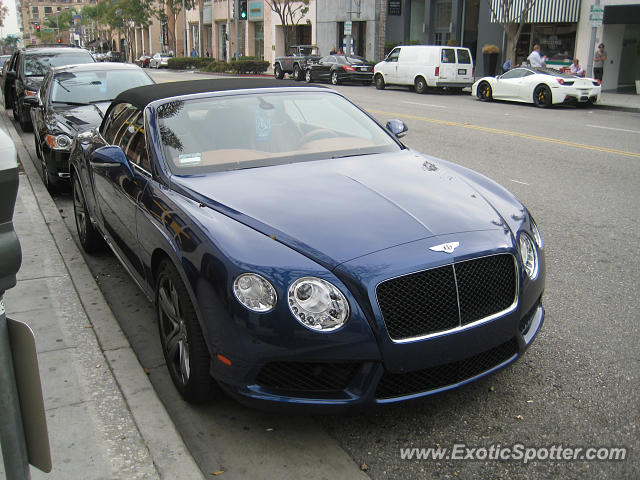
153,123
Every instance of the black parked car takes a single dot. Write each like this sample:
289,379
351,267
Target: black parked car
25,72
73,99
340,68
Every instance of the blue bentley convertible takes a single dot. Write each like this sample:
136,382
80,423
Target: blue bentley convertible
298,253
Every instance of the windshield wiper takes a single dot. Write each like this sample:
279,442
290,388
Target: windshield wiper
99,111
102,101
355,155
71,103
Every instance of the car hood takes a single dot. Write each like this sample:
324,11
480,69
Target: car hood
337,210
78,118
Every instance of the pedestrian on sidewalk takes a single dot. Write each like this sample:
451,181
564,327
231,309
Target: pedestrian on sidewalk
598,62
535,58
194,53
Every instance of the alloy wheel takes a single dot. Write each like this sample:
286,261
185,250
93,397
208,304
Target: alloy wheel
173,330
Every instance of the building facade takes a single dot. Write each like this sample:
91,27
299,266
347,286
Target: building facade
620,33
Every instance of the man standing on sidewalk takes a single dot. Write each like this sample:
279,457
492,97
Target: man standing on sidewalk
598,62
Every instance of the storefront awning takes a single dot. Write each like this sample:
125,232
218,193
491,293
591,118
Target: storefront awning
542,11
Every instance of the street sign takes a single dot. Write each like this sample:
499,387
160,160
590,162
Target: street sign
596,15
48,30
348,27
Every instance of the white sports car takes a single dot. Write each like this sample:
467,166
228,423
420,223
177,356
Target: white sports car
541,86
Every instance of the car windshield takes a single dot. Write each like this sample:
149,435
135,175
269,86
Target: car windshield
260,129
307,50
38,64
95,86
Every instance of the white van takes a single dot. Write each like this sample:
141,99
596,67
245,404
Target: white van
422,66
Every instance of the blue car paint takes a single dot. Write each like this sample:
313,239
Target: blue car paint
213,233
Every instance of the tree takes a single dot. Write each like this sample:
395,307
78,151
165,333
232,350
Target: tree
290,13
175,7
200,27
4,11
512,15
62,20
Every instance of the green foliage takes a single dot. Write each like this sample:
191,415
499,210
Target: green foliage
207,64
62,20
184,63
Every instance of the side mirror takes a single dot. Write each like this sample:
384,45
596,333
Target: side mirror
111,157
397,127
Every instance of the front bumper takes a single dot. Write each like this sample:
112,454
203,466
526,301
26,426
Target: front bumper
381,370
371,384
58,166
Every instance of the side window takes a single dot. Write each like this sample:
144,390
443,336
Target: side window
515,73
114,124
133,142
448,55
393,56
463,56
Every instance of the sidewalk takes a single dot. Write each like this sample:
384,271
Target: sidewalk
105,420
624,102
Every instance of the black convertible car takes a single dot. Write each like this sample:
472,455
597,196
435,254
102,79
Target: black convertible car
72,99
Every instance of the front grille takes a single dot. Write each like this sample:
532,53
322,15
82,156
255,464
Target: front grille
307,376
399,384
447,297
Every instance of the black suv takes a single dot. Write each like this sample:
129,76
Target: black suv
25,71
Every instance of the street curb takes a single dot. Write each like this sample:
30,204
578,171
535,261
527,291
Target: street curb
616,108
167,450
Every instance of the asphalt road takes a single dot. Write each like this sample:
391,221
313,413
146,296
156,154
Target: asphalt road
578,171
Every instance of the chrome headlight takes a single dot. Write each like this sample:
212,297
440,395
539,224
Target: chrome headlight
58,142
529,255
254,292
536,233
317,304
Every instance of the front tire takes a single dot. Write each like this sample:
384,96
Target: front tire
277,72
297,73
335,79
379,82
484,92
183,345
420,85
90,239
542,96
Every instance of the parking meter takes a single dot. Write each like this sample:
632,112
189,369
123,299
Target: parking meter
23,429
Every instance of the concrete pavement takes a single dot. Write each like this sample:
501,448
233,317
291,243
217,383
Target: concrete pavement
105,420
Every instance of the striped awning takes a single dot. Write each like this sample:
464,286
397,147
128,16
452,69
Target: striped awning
542,11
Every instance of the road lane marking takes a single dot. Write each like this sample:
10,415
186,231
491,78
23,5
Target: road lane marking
511,133
612,128
521,183
424,104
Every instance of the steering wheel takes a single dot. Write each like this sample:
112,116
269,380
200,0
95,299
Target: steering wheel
317,134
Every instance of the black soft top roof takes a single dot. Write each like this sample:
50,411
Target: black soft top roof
143,96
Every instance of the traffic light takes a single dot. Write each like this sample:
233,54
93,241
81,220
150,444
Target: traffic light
37,27
243,9
59,40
